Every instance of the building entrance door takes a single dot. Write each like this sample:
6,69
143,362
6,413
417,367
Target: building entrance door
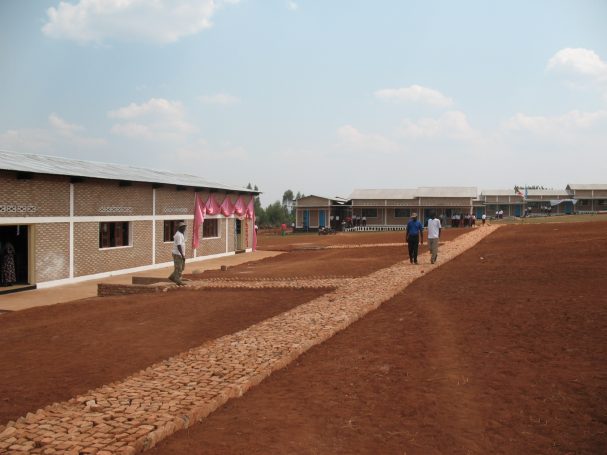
321,219
238,235
14,255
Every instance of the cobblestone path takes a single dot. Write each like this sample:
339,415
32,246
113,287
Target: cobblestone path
132,415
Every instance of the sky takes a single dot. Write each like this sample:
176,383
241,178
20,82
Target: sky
316,96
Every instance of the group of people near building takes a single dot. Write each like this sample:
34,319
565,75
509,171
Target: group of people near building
461,220
354,221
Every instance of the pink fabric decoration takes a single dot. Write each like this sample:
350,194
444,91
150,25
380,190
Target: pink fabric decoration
251,216
227,208
240,207
212,206
199,212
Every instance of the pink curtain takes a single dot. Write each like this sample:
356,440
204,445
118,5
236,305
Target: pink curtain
212,206
199,212
239,207
251,216
227,208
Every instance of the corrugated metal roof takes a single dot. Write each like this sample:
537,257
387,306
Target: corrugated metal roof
402,193
43,164
587,186
447,191
338,200
531,193
412,193
509,192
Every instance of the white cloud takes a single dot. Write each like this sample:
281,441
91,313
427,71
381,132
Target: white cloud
156,119
415,94
158,21
579,61
65,128
60,134
292,5
571,122
450,125
222,99
354,139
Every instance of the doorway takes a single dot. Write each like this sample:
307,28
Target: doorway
238,236
14,255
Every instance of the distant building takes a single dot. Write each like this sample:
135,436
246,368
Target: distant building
389,209
393,207
590,197
72,220
313,212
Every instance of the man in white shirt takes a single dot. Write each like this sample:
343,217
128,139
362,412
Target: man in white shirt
178,254
434,228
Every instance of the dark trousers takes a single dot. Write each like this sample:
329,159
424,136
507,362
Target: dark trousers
413,244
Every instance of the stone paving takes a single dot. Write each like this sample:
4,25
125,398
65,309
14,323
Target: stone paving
132,415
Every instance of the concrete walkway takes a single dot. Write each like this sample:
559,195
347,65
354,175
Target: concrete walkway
67,293
132,415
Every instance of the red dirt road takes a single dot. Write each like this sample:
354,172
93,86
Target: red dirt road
54,353
502,350
294,241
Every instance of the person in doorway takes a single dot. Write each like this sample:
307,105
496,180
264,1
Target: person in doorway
8,277
434,228
415,233
178,254
364,220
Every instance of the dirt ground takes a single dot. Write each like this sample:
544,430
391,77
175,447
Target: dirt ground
56,352
501,350
302,240
350,262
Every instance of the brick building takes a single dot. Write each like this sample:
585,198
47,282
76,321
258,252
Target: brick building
314,212
72,220
393,207
591,198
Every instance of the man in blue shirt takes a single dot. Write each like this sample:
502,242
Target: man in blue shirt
415,232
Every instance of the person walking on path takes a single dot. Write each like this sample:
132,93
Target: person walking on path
178,254
434,228
415,232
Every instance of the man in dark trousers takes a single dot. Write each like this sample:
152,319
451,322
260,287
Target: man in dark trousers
178,254
415,233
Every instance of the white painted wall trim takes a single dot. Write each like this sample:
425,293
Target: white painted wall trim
97,219
153,225
97,276
71,230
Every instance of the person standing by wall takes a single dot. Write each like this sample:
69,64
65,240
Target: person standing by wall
415,233
8,277
178,254
434,228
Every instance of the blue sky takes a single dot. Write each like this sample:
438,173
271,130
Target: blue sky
315,96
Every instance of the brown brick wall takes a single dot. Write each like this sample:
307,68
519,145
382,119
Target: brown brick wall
445,202
98,197
52,251
40,196
89,259
169,201
391,219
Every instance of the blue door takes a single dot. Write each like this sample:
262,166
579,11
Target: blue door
479,213
306,220
321,218
568,207
517,210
